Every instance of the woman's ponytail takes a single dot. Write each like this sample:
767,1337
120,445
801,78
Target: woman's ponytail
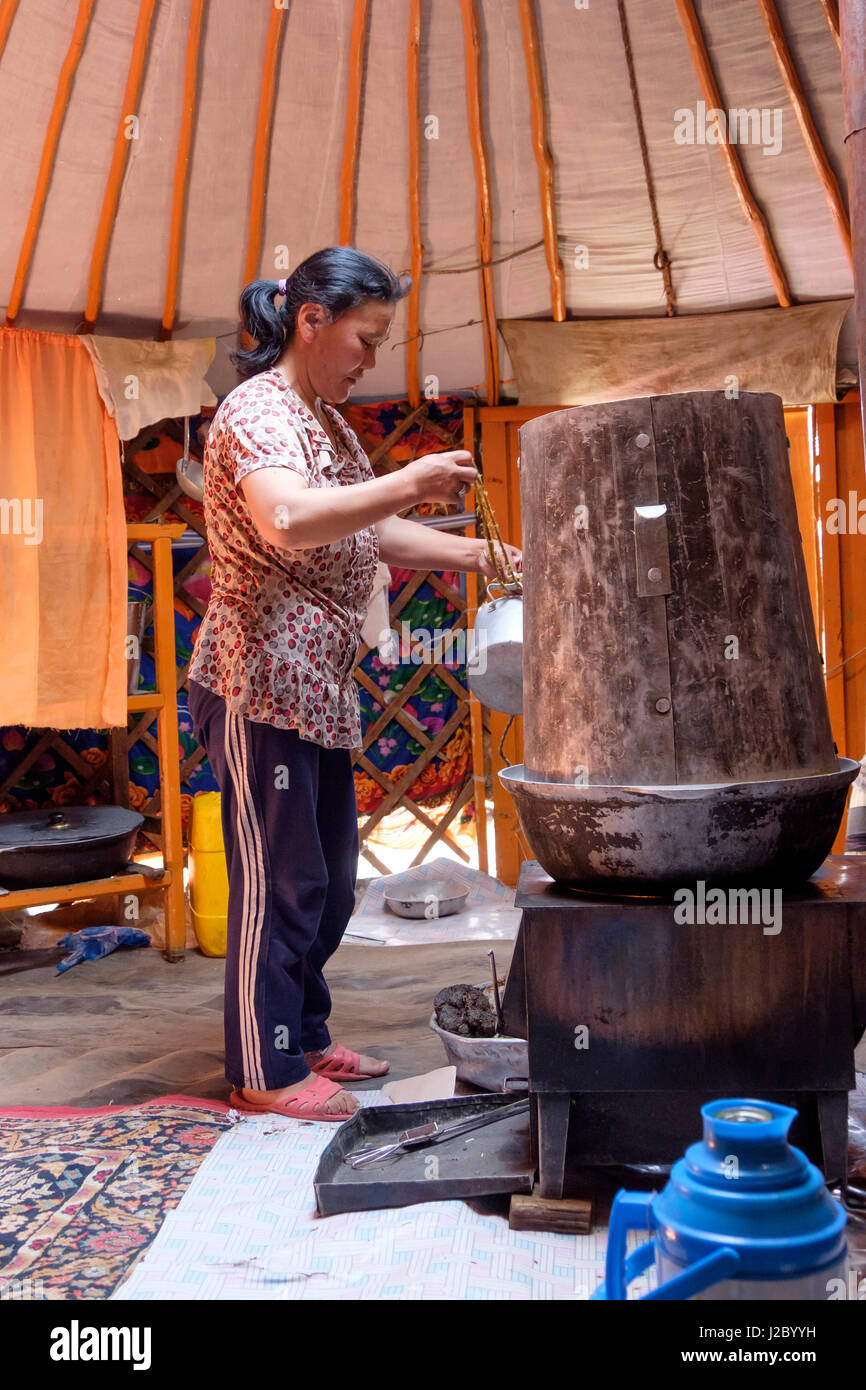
263,321
339,278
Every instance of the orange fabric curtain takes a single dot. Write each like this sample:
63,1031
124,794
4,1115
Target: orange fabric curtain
63,564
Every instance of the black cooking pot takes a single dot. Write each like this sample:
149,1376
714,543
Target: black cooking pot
70,845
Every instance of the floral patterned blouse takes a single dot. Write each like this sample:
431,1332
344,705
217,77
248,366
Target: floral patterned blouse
281,633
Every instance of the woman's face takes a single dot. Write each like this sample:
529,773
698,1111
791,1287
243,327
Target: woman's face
338,354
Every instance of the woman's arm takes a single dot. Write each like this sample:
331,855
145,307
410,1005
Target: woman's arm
416,547
292,516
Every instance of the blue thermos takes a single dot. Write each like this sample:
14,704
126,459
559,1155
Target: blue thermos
744,1215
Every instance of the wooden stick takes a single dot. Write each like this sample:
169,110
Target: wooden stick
808,129
353,123
853,32
712,95
831,10
120,155
7,14
472,43
46,164
167,737
414,114
263,143
181,166
538,105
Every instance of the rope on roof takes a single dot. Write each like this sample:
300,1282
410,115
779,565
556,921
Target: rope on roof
480,265
353,123
414,119
538,105
120,155
181,167
661,259
49,150
472,44
748,202
808,129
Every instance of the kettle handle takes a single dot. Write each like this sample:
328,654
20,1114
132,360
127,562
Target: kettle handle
508,590
631,1211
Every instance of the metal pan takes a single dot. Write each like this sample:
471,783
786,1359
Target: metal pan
44,849
493,1159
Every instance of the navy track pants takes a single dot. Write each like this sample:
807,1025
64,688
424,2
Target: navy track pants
290,826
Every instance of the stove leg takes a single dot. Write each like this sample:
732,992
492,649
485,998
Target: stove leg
833,1123
553,1112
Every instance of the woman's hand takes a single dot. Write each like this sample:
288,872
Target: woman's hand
441,477
485,566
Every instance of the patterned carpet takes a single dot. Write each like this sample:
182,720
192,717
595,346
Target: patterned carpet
84,1192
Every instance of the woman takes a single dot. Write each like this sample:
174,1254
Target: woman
296,525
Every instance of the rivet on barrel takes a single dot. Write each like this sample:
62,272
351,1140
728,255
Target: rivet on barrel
663,705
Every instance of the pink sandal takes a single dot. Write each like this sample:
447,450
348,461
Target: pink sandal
308,1104
343,1065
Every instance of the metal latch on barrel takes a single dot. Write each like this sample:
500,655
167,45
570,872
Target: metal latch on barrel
652,556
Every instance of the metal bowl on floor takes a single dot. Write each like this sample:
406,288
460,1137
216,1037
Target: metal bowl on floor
436,897
484,1062
640,839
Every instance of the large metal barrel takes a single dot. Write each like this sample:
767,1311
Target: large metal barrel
669,645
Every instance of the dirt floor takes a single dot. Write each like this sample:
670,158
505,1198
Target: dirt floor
131,1026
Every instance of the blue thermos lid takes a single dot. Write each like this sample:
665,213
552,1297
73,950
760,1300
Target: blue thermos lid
743,1203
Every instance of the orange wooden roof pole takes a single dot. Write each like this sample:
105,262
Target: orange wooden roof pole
531,48
831,10
353,124
118,161
263,143
414,114
46,163
181,168
808,129
7,14
712,95
482,181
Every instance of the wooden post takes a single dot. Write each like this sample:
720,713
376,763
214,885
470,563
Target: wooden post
167,736
853,45
853,39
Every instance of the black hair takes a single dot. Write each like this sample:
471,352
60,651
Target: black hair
338,278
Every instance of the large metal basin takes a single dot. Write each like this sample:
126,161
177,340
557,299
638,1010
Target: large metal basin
652,839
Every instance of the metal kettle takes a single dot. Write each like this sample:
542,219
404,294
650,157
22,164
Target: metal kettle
494,664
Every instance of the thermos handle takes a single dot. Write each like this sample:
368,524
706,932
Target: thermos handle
699,1276
630,1212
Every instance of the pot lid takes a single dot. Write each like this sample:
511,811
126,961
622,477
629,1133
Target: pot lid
66,825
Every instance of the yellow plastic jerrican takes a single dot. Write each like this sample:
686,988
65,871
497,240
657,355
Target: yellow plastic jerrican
208,876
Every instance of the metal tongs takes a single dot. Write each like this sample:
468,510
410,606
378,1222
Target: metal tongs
431,1133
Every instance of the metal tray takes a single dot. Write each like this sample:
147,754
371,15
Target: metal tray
495,1159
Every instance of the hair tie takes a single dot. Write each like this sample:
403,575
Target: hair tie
282,287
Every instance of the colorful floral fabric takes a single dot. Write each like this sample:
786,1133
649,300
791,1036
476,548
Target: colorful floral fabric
85,1192
281,634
